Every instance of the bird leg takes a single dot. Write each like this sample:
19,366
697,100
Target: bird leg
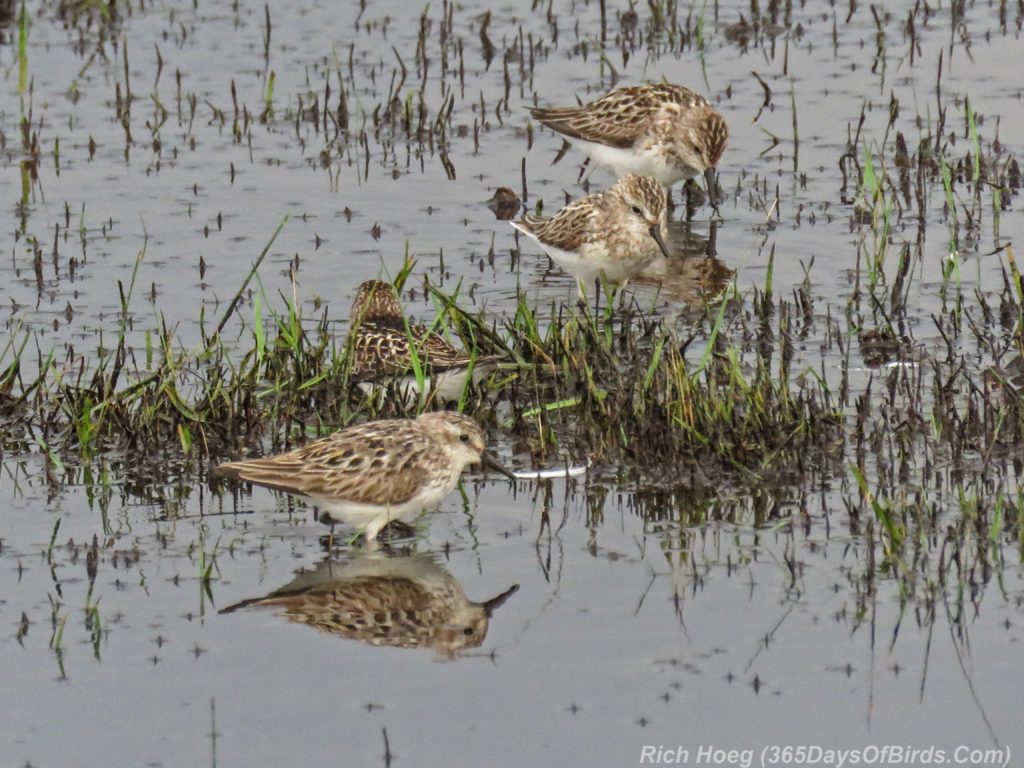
711,180
396,530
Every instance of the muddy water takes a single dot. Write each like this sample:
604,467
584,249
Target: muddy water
703,619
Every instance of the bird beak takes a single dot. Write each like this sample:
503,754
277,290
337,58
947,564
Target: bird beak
496,602
492,463
711,181
655,231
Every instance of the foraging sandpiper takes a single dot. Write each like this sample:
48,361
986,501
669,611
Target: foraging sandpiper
615,233
660,130
374,473
385,348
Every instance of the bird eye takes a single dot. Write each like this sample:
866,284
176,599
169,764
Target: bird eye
464,437
637,210
467,631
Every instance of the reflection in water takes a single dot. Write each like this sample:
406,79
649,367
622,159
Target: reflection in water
385,599
505,204
693,276
880,346
692,280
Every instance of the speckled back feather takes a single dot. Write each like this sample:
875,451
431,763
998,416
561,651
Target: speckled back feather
361,464
619,117
381,339
573,225
567,229
380,462
381,348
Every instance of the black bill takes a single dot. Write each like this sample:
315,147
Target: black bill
711,181
492,463
655,231
496,602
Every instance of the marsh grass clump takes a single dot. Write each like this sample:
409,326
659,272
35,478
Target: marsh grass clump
619,385
143,400
614,384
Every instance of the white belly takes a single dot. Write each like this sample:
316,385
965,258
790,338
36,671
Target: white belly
583,269
592,260
371,518
649,161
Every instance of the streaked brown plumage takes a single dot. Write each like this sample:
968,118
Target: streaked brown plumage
381,599
373,473
615,233
383,342
661,130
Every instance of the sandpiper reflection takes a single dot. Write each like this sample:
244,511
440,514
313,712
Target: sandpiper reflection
692,281
385,599
693,276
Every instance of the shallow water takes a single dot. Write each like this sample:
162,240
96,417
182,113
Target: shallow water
692,619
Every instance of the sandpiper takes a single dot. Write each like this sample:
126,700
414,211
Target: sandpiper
615,233
384,346
374,473
660,130
385,599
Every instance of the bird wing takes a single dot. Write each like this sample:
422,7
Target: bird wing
565,230
618,118
383,349
358,464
